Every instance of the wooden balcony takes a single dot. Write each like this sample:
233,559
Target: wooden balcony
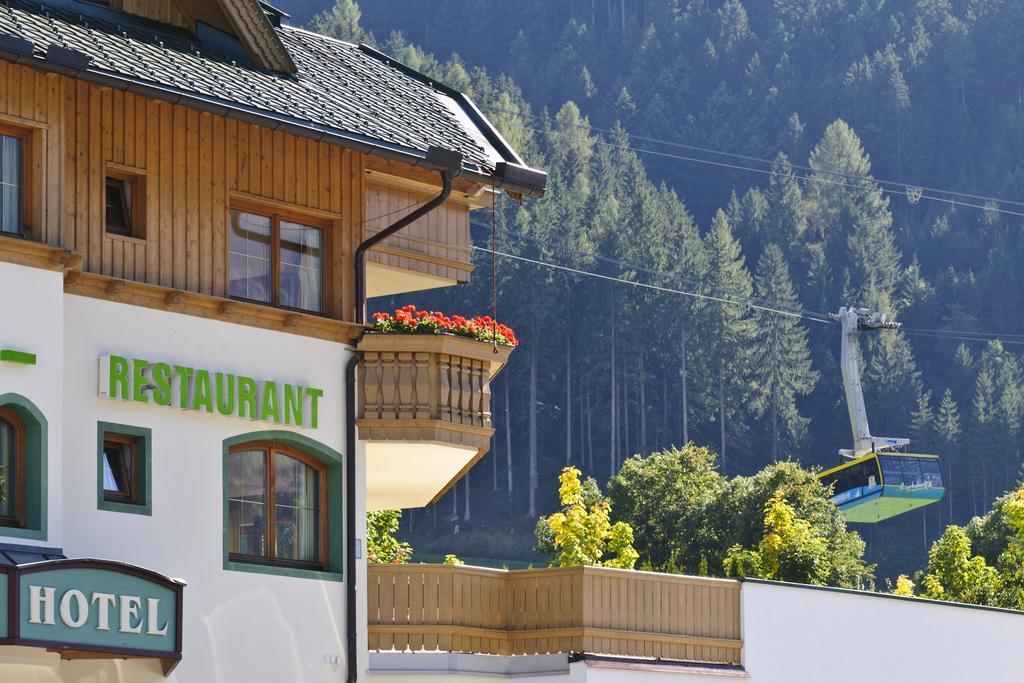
432,252
592,610
424,412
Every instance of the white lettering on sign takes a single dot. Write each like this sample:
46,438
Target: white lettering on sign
152,616
81,604
130,605
41,596
75,609
105,600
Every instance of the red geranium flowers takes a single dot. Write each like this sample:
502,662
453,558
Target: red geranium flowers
407,320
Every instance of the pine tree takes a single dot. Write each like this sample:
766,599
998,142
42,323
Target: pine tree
781,364
922,423
727,330
892,383
947,434
342,21
852,222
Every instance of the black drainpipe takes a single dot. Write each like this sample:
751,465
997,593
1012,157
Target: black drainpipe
450,164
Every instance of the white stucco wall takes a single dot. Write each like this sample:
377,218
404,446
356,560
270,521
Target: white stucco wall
33,321
238,626
794,634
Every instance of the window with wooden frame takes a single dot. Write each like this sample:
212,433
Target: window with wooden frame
124,466
124,211
14,173
12,469
277,506
120,469
277,259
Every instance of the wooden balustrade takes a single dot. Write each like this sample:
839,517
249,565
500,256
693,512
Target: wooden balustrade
577,609
433,388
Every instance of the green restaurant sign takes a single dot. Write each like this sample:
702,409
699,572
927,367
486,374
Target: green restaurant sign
221,393
91,607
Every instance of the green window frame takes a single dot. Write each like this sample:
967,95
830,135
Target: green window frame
33,520
139,500
332,464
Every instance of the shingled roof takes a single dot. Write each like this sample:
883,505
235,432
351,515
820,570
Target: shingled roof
343,93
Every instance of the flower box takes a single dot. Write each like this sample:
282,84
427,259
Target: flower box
427,387
424,411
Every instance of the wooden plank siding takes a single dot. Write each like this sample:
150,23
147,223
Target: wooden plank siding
575,609
193,166
158,10
437,244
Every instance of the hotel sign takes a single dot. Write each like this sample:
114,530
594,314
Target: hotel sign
201,390
92,607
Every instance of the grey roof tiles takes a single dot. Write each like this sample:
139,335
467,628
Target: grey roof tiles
338,87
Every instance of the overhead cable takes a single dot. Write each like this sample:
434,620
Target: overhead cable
643,285
903,187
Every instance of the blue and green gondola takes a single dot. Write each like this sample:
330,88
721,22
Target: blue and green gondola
878,486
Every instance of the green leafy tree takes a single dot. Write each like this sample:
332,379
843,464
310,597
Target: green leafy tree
664,497
955,573
790,550
1011,561
590,495
585,536
687,517
904,586
381,545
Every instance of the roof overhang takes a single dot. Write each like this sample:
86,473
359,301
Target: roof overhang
78,65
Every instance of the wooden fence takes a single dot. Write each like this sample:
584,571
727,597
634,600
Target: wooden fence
534,611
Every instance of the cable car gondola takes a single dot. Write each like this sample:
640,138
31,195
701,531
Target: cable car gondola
878,486
878,482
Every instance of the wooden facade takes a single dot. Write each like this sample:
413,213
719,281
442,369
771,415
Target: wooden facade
193,166
590,610
158,10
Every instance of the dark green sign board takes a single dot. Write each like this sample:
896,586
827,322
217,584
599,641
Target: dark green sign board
92,606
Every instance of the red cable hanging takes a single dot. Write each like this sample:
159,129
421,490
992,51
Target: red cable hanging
494,266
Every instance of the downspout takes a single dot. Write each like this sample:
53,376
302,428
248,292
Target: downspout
451,165
351,644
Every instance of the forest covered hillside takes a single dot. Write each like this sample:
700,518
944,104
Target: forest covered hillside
723,175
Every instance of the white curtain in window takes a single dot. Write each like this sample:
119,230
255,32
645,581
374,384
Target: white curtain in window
301,269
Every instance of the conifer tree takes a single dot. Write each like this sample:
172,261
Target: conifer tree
727,329
852,222
781,363
947,434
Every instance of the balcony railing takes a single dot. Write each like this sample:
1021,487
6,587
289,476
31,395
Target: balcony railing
573,610
424,406
428,387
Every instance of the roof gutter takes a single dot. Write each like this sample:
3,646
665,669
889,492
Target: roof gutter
508,176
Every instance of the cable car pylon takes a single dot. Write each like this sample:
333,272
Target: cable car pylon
878,481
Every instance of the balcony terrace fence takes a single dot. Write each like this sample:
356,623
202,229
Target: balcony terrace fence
592,610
